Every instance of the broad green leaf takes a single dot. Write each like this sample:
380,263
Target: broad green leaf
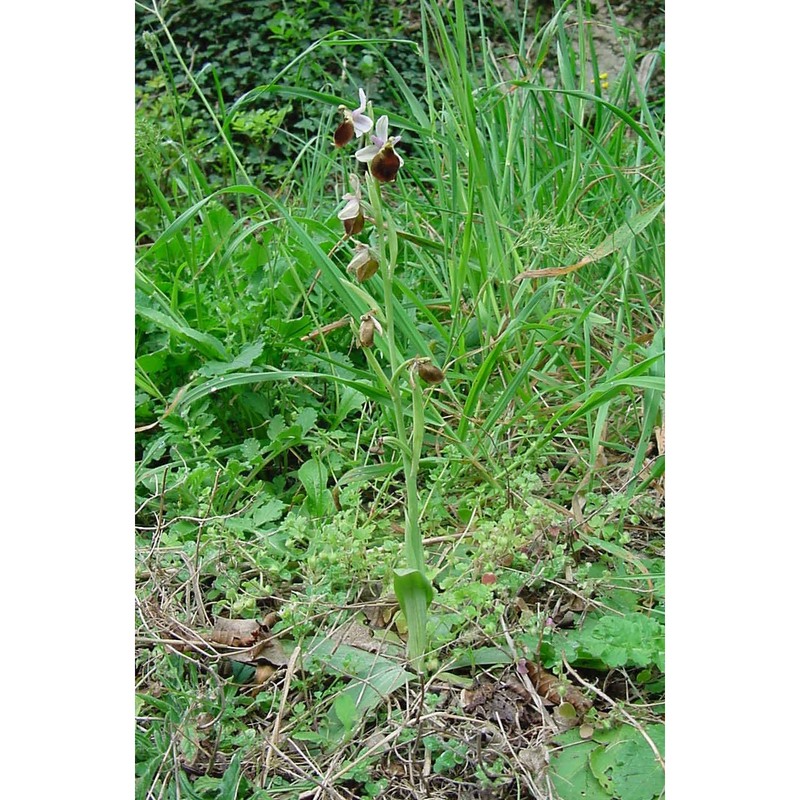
314,477
626,766
570,773
372,678
414,593
345,708
229,784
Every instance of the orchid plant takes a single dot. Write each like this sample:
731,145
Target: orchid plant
411,584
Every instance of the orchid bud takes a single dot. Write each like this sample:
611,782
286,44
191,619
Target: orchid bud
364,263
429,372
366,333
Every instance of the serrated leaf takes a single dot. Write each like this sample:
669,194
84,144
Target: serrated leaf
269,512
306,418
251,449
276,426
635,639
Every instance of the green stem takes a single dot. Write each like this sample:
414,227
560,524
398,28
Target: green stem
412,586
413,537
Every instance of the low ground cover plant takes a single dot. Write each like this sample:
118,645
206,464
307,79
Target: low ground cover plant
400,430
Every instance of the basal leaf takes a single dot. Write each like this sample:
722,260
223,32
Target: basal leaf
626,765
570,773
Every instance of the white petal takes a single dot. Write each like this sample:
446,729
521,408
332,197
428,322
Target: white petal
367,153
362,123
382,129
362,96
350,211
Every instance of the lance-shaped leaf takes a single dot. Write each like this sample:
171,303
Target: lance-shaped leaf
414,593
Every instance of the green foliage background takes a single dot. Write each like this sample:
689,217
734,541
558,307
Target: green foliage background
265,478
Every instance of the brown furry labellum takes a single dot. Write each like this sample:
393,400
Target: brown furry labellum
354,225
385,164
346,130
363,264
430,373
366,270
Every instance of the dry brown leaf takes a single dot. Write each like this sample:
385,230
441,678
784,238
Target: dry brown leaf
268,650
270,619
236,632
380,615
506,698
356,634
263,673
556,690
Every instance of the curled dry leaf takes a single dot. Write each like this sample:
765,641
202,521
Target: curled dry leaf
270,619
556,690
380,615
264,671
236,632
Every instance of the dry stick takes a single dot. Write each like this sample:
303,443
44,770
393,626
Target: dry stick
511,749
367,753
331,326
166,413
297,772
273,743
622,711
198,597
325,785
159,516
